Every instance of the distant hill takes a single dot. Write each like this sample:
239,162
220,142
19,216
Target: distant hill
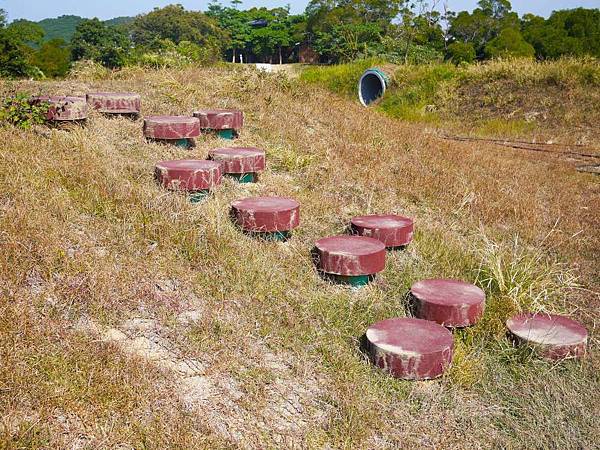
119,21
64,26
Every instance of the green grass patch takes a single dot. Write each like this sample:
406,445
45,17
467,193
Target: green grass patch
341,79
505,127
414,96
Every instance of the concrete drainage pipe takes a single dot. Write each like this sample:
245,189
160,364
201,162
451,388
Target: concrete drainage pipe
373,84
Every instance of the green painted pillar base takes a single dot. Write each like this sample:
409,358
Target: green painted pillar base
274,236
183,143
227,134
353,281
251,177
199,196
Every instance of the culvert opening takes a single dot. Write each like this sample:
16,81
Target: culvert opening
371,87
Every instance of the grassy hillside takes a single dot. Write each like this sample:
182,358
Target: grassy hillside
130,317
60,27
64,26
554,100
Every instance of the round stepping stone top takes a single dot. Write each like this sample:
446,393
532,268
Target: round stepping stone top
115,102
350,255
189,175
392,230
239,160
411,349
171,127
220,119
266,214
63,108
452,303
554,337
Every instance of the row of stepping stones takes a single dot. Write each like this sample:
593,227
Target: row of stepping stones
180,130
412,348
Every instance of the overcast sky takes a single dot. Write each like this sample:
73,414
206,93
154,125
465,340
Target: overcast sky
107,9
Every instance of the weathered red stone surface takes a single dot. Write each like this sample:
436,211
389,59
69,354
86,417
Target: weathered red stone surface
220,119
114,102
239,159
63,108
350,255
452,303
171,127
266,214
189,175
554,337
392,230
411,349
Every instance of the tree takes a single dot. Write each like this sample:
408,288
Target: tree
13,56
53,58
175,24
483,24
573,32
461,52
509,43
235,23
27,32
95,41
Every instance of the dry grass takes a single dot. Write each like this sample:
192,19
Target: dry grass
132,318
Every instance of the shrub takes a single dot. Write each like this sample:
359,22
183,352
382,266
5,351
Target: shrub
461,52
509,43
20,112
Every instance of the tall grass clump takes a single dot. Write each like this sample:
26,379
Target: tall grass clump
524,279
524,72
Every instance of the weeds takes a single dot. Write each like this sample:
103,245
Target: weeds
22,113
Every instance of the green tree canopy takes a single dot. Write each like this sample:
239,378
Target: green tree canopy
176,24
483,24
573,32
461,52
95,41
27,32
509,43
53,58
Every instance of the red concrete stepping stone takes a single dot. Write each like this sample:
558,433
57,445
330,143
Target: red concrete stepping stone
114,102
452,303
411,349
392,230
274,215
188,175
220,119
63,108
554,337
177,129
243,163
350,259
225,122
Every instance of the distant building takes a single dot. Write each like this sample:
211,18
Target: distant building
307,55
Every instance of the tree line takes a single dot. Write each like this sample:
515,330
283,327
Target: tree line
399,31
